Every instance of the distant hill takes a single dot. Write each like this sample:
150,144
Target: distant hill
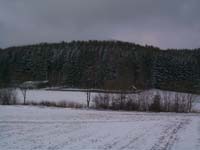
101,64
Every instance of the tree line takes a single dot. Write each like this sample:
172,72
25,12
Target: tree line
101,64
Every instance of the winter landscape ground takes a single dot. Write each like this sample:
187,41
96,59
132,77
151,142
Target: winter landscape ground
79,97
99,75
42,128
51,128
53,96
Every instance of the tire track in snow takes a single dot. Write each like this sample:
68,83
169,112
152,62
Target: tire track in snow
199,135
169,135
85,136
129,140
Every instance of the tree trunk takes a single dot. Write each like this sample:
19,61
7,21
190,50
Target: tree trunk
88,99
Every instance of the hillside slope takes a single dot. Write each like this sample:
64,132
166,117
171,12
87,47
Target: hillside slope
102,64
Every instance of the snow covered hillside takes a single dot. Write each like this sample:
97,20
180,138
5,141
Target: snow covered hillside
25,127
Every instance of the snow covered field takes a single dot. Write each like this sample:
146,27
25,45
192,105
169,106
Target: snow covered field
77,97
53,96
42,128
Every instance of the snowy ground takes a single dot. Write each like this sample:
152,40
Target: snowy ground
42,128
77,97
53,96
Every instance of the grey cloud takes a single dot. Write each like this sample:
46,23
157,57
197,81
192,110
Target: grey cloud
167,24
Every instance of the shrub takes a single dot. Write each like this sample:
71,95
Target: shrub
102,101
155,106
62,104
145,101
8,96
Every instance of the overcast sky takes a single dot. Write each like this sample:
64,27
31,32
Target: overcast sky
162,23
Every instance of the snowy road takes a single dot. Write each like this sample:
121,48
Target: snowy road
34,128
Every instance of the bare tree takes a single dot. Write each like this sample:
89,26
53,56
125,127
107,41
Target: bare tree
23,88
88,98
190,100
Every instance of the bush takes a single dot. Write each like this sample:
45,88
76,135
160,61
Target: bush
145,101
62,104
155,106
8,97
102,101
132,103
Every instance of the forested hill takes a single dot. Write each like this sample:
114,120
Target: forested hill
101,64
